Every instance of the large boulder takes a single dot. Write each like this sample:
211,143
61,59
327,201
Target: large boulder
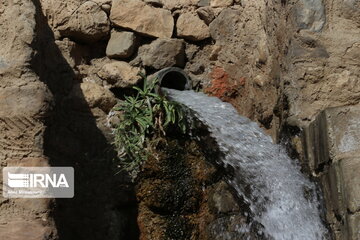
140,17
88,23
121,44
163,53
120,74
191,27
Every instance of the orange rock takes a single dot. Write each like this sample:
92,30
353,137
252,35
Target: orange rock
221,87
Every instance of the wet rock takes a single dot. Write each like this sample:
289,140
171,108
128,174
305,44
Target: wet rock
206,14
140,17
93,95
221,3
120,74
230,225
163,53
121,44
191,27
310,14
332,139
222,200
88,23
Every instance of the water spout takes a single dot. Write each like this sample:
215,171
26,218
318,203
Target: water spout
173,78
281,198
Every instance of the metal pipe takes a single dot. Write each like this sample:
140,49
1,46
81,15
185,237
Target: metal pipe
174,78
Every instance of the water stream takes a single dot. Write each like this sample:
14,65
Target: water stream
280,197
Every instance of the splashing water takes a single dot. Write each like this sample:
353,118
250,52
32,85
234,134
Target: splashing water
280,197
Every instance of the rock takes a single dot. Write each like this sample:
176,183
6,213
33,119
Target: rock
120,74
348,170
214,52
221,3
88,23
15,230
31,99
351,10
203,3
332,138
140,17
263,52
222,200
190,51
73,52
206,14
102,2
114,118
163,53
354,223
155,2
92,95
310,14
121,44
191,27
106,8
177,4
222,29
260,80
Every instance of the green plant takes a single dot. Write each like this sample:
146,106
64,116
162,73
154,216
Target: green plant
145,115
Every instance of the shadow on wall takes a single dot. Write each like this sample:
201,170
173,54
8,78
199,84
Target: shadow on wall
104,205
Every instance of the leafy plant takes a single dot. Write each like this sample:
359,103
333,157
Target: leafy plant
145,115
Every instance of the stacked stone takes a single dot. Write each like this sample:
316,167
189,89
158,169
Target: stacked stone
138,34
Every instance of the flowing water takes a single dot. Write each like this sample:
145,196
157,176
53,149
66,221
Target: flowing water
280,197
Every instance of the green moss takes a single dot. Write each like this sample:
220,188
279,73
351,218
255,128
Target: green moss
178,228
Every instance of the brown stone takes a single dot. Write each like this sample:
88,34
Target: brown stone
140,17
92,95
18,229
163,53
88,23
121,44
120,74
191,27
221,3
206,14
31,99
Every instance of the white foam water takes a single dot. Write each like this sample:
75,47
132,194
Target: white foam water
281,198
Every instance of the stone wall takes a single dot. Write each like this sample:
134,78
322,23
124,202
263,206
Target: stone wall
332,152
320,85
24,101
